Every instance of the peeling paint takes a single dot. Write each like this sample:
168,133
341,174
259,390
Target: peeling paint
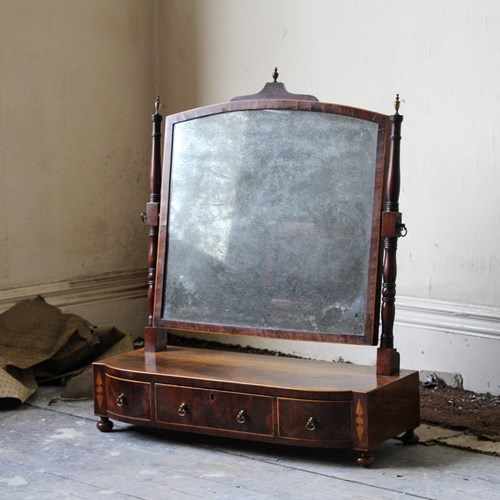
13,481
67,433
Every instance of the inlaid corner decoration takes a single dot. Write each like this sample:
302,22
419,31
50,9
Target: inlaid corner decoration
99,390
359,420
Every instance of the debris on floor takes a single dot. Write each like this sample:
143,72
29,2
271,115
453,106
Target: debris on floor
434,382
459,409
430,435
39,343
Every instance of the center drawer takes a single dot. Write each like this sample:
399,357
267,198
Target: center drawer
214,409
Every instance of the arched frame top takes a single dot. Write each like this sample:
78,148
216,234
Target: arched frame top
270,221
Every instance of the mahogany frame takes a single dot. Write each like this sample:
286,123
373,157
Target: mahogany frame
272,399
387,225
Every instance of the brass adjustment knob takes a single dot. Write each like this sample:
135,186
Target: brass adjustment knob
121,400
183,410
242,417
311,424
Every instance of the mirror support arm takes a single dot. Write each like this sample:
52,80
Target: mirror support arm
387,355
150,217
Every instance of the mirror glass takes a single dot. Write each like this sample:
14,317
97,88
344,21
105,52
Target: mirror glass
270,220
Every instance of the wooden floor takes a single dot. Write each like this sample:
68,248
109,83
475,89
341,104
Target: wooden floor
55,452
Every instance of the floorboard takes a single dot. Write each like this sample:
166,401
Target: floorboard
53,451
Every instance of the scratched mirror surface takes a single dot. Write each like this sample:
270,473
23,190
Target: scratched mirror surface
270,221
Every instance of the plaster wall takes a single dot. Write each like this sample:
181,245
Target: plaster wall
78,80
444,61
76,91
443,58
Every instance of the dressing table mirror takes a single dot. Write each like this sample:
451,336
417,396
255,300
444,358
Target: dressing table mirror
272,215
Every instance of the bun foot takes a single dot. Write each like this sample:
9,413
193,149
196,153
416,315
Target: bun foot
409,437
365,459
105,424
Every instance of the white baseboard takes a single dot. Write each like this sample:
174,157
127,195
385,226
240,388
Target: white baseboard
97,289
420,313
430,335
459,339
463,319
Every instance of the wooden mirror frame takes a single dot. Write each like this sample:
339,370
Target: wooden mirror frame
288,401
388,224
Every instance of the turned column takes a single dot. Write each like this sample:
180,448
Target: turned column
392,228
151,218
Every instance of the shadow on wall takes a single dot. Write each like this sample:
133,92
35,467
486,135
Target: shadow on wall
176,41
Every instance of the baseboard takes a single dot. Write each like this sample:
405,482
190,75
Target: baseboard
97,289
430,335
458,339
463,319
420,313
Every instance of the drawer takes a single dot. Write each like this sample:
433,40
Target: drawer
314,420
214,409
128,398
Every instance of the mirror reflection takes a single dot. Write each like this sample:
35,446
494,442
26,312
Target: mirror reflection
270,220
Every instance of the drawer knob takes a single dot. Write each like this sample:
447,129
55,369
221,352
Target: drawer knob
311,424
241,418
183,409
121,400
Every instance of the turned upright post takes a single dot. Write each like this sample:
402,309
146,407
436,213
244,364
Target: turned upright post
392,227
150,217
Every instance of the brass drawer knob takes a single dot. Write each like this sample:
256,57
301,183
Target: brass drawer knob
121,399
242,417
311,424
183,409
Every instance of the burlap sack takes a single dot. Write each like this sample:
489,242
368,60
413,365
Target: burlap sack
38,342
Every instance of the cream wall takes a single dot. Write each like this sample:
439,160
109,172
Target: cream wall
76,90
77,87
443,58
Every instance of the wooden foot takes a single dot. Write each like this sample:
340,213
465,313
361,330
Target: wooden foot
105,424
365,459
410,438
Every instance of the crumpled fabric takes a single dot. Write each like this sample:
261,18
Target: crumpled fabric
40,343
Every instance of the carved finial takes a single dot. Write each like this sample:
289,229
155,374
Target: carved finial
275,75
157,105
396,104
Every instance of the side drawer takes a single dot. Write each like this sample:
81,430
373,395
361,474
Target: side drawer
214,409
128,398
314,420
